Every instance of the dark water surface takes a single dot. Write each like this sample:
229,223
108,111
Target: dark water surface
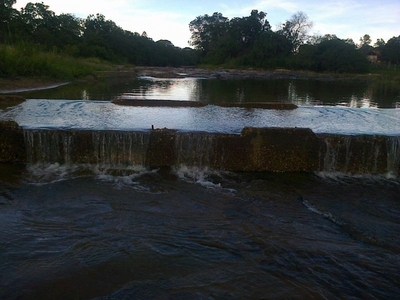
83,233
350,93
88,232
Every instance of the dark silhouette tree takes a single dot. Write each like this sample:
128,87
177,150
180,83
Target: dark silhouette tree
296,29
207,32
391,51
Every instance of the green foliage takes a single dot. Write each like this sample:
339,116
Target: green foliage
332,55
229,42
391,51
25,59
35,41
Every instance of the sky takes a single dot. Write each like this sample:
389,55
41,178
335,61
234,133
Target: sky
169,19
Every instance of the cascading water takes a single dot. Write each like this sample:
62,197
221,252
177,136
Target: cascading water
393,155
195,149
113,149
120,149
44,146
363,154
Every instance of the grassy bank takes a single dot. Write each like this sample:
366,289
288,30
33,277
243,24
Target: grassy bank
27,60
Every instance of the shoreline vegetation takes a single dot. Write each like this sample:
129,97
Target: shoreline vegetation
40,49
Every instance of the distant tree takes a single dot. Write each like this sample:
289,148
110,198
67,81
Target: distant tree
207,31
296,29
365,40
379,43
270,50
38,16
333,55
391,51
7,16
338,55
365,45
221,40
246,30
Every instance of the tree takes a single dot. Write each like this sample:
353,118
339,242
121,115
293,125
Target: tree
365,40
270,50
38,15
379,43
208,31
7,14
333,55
221,40
391,51
339,56
296,30
365,45
245,31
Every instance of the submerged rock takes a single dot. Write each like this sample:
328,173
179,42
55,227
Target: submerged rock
265,105
162,103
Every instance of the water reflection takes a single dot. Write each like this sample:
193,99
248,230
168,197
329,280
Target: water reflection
151,88
346,93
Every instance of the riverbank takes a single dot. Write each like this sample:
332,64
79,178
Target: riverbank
168,72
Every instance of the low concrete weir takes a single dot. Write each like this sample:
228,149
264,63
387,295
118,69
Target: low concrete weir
255,149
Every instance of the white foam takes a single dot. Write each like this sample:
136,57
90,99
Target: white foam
202,176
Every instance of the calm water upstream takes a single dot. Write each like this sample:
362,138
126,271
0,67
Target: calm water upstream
85,232
301,92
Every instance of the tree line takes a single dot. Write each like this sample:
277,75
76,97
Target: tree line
93,36
250,42
216,40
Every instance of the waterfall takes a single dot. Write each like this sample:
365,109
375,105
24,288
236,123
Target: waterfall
361,154
276,150
45,146
118,149
113,149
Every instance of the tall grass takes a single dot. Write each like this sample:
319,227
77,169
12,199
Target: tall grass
28,60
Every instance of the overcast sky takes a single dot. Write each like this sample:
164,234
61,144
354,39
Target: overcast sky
169,19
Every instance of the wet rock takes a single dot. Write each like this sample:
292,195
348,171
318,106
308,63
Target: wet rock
161,148
264,105
271,149
12,146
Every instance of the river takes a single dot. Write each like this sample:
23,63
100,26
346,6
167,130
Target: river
91,232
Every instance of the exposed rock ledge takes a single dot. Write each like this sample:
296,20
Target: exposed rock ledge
10,100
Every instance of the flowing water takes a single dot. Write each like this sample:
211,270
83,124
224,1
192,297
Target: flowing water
123,231
188,233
